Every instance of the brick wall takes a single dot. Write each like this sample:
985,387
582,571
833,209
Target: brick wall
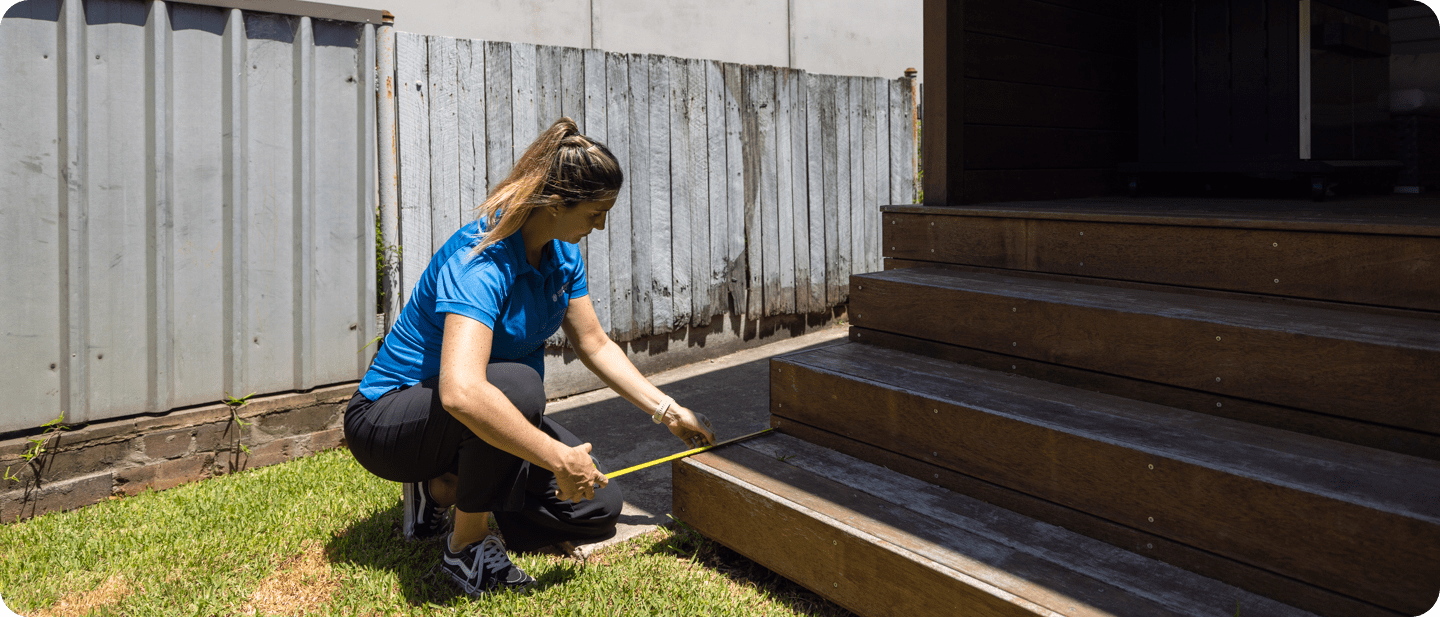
124,457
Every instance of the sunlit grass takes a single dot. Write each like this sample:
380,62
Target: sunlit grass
320,535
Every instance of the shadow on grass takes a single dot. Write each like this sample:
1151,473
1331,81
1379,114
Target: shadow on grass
376,543
686,543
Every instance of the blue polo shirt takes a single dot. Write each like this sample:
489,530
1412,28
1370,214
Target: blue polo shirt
522,305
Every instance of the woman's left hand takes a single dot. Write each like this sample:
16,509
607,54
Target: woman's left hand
692,428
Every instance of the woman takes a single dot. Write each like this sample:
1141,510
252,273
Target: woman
453,404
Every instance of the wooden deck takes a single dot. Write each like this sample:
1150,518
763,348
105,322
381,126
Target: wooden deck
1240,390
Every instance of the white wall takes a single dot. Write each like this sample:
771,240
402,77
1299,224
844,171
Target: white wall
859,37
744,31
544,22
842,37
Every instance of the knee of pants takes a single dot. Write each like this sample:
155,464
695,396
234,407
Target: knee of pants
609,502
522,385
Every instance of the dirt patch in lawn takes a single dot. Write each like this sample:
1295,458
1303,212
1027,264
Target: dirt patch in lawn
301,585
109,592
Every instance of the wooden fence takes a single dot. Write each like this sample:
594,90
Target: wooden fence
748,189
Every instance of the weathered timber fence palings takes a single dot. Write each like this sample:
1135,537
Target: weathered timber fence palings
189,206
748,189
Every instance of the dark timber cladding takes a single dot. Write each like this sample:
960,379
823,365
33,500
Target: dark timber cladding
1211,483
942,143
1049,99
1241,104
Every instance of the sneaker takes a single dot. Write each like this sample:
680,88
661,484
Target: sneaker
483,567
424,520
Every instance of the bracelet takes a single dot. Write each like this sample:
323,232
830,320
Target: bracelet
659,415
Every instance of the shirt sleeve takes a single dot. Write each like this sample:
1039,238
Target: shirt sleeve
578,285
473,286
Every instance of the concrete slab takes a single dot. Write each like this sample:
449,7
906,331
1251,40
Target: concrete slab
733,391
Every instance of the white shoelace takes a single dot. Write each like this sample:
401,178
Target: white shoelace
493,556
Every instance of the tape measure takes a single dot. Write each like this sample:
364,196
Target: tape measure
611,476
684,454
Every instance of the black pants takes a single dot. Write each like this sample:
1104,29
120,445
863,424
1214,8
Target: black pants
406,436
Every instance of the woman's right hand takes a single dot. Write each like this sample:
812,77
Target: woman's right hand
576,474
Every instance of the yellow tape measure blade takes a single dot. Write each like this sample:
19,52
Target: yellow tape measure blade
684,454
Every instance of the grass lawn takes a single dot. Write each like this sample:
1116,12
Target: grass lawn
320,535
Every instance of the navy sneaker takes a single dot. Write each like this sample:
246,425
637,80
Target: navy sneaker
424,519
483,567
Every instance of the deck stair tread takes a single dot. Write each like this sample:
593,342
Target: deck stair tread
1410,333
1335,428
1386,481
1396,215
1357,365
1011,564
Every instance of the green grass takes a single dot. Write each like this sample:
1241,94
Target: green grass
320,535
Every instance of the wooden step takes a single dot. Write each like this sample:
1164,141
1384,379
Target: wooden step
880,543
1374,368
1385,253
1368,434
1205,563
1284,301
1357,521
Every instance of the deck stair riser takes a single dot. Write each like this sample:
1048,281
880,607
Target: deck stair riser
1375,368
1372,264
880,543
1359,521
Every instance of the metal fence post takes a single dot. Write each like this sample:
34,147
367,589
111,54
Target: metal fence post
389,214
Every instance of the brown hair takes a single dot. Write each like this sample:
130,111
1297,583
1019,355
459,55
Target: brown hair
560,166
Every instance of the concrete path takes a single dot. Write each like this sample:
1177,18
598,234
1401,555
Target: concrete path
733,391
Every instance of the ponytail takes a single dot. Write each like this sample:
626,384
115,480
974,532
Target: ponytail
562,167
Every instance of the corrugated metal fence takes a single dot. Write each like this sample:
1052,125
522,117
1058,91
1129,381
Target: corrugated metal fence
189,206
748,189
